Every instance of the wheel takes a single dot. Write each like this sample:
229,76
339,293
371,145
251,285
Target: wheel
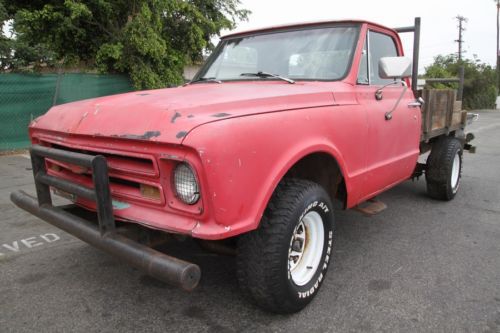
283,263
444,169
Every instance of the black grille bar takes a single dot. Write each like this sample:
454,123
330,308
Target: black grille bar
63,155
101,193
67,186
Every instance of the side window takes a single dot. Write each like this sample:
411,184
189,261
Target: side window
380,45
363,66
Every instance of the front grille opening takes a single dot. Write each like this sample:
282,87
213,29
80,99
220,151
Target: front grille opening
123,171
129,164
93,153
118,186
124,182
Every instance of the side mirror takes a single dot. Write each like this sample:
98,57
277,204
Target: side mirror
394,67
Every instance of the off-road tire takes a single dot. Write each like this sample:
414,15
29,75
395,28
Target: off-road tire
263,266
441,183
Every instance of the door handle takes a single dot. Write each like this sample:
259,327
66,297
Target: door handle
417,103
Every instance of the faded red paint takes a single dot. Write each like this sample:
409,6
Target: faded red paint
241,138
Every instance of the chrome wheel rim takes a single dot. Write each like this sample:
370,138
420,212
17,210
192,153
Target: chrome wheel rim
455,171
306,248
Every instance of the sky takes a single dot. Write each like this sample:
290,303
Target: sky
439,26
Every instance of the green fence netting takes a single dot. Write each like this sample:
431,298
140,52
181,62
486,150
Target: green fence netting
24,97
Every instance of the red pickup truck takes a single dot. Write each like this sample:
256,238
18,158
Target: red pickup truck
250,155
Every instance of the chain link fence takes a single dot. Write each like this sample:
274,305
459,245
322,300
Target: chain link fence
24,97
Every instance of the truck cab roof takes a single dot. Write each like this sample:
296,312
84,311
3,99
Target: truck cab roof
300,25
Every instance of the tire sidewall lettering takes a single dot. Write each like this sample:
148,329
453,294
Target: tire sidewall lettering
309,289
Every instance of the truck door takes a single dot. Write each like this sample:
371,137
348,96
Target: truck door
393,142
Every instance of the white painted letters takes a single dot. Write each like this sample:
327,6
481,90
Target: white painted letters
29,243
13,248
50,238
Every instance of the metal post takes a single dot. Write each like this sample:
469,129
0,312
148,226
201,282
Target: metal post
461,76
416,54
58,87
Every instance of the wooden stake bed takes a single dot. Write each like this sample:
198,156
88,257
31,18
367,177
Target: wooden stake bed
441,113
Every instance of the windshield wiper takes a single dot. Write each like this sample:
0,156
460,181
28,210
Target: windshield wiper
204,79
266,75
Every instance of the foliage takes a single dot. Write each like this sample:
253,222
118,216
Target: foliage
16,53
480,90
151,40
3,13
5,45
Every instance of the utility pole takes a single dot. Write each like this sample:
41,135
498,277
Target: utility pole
460,40
498,45
461,69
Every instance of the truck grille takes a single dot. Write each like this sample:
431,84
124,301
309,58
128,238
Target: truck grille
127,174
119,163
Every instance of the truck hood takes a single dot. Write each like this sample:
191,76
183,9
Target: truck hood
168,115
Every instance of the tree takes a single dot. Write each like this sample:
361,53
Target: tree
3,14
150,40
5,45
480,89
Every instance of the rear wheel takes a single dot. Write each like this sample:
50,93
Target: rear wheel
444,169
282,264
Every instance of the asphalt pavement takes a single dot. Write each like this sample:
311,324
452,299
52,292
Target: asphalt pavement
419,266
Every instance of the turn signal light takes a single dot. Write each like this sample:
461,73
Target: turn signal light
150,192
54,167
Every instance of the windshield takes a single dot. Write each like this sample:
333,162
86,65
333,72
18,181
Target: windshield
321,53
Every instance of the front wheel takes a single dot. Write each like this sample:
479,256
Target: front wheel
444,169
282,265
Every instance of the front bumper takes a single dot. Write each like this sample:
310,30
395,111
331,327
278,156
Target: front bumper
104,235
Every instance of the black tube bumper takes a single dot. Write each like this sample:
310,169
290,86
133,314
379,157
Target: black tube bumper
104,235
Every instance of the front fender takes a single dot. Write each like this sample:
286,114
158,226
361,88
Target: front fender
243,159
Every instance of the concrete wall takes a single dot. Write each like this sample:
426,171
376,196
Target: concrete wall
190,71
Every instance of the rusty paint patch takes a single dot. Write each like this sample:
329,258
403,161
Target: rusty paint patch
181,134
146,136
81,119
371,207
175,116
220,115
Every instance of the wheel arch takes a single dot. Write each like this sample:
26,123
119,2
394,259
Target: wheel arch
323,169
301,165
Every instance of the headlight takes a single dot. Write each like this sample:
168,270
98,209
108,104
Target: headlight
186,185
